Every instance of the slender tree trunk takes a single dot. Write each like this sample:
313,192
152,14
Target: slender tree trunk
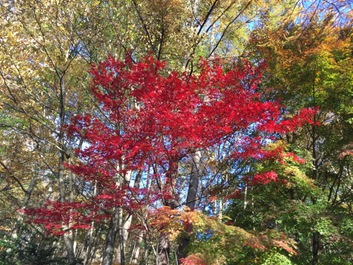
28,193
220,210
147,250
315,248
163,250
315,176
68,237
123,227
90,245
69,243
190,201
194,182
88,250
108,251
136,251
122,235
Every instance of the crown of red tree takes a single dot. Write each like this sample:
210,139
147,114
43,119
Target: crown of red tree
153,118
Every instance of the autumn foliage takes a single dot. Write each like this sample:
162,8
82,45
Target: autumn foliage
152,119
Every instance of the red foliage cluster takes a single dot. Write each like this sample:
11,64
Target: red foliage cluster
59,217
192,260
264,178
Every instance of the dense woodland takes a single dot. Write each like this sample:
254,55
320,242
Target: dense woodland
176,132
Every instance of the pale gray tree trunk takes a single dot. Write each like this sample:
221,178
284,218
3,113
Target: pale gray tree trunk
163,250
68,237
90,244
136,250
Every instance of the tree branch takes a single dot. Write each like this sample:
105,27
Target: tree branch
226,28
13,177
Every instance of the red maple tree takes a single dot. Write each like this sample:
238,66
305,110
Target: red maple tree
150,120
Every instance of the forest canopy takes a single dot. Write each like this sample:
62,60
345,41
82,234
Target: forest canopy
176,132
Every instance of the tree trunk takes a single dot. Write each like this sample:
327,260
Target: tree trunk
136,251
316,248
90,244
194,182
123,234
190,202
108,251
69,243
123,227
68,237
169,187
17,231
163,250
90,241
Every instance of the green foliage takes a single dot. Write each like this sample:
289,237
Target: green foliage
310,64
29,250
275,258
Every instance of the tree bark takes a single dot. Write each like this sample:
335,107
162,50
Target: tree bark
123,234
190,201
108,251
194,182
163,250
68,237
90,241
136,250
315,248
